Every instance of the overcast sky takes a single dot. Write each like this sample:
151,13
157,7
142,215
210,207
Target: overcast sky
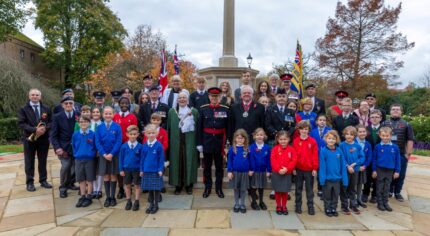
267,29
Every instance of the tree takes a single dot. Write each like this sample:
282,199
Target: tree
78,35
362,40
13,16
425,80
310,70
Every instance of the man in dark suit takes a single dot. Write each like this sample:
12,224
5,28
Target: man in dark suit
318,105
246,114
67,93
246,80
346,118
153,105
371,100
279,117
147,84
34,119
62,128
273,79
199,97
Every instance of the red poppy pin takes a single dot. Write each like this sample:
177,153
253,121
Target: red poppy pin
89,140
351,150
44,115
257,150
77,118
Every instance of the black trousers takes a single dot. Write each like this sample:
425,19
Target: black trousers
350,192
208,158
308,179
370,183
67,172
331,191
39,147
383,182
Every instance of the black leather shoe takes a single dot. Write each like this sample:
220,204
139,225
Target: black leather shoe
128,205
328,213
73,187
364,198
178,190
160,198
107,202
355,210
372,200
87,202
99,195
206,193
285,211
154,209
381,207
387,207
263,206
136,205
236,208
272,196
278,210
334,213
112,202
80,201
311,211
189,190
63,194
298,210
360,203
30,187
220,193
163,190
45,184
121,193
399,198
255,206
149,209
242,209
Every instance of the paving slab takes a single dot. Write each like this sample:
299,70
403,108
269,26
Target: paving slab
325,232
28,205
397,218
90,231
27,220
213,219
20,191
421,222
373,222
125,219
251,220
212,202
229,232
171,219
94,219
290,221
68,218
6,175
29,231
180,202
60,231
66,206
373,233
135,231
322,222
420,204
407,233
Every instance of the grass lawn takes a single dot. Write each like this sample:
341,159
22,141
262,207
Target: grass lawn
11,148
421,152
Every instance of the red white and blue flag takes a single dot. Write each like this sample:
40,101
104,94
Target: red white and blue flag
176,62
162,80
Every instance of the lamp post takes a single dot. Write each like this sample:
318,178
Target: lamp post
249,60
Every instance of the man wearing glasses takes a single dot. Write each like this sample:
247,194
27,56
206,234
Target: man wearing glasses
371,100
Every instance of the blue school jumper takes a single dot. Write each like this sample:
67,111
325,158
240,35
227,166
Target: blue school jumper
315,133
152,162
332,166
129,159
352,153
239,161
386,156
84,147
310,116
108,141
260,158
367,151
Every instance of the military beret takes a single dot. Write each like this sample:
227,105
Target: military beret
147,77
154,88
281,91
310,86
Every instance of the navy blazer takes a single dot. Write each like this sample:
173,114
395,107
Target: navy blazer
62,131
27,120
319,106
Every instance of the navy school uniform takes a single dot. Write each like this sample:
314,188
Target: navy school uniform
239,164
260,159
315,133
84,151
152,162
108,141
332,175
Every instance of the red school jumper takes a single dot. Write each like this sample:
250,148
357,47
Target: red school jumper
282,157
307,153
125,122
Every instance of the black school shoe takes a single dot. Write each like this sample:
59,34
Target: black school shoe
272,196
298,210
285,211
328,213
311,211
136,205
30,187
87,201
236,208
355,210
242,209
360,203
154,209
99,195
381,207
80,202
334,213
373,200
364,198
112,202
279,210
128,205
387,207
121,193
255,206
263,206
399,198
107,202
45,184
149,208
346,211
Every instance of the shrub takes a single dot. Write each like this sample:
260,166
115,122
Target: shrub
9,130
421,126
14,86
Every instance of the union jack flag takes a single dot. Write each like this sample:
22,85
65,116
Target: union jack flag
162,80
176,62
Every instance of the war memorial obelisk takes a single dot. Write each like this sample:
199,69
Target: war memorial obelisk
228,69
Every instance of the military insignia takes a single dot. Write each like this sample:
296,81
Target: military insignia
137,152
265,153
300,143
245,114
288,118
113,132
154,152
309,146
289,155
392,150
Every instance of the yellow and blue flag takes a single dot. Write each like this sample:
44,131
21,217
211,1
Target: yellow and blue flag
297,72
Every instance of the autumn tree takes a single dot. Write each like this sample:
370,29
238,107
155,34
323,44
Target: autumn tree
362,39
310,69
78,34
13,16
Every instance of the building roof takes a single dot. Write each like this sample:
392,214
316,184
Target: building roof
22,37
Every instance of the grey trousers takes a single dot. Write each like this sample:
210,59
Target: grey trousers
362,179
308,179
331,191
383,182
350,192
67,172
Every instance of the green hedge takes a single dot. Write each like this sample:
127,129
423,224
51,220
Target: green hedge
9,130
421,126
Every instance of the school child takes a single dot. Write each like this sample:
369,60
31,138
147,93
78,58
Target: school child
239,167
307,113
86,112
306,167
283,161
318,134
124,118
385,166
367,151
346,118
260,157
354,159
84,151
151,168
96,120
374,139
108,143
129,166
332,172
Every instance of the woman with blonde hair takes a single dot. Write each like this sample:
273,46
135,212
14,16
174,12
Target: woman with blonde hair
226,95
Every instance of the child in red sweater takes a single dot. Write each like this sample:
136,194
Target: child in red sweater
283,161
307,165
124,118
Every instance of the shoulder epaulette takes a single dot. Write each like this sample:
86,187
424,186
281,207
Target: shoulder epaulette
221,105
204,105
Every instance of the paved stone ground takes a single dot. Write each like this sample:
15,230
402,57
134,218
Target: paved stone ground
44,213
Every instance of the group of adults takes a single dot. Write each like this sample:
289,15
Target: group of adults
205,118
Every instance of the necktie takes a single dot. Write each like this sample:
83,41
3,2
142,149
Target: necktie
84,133
36,111
131,146
123,115
107,125
153,106
69,115
321,133
282,110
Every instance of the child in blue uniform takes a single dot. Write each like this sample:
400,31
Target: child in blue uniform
307,113
84,151
367,151
151,168
354,159
96,120
385,166
260,157
129,166
108,143
332,172
239,167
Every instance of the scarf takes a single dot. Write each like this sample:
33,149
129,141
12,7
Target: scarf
186,119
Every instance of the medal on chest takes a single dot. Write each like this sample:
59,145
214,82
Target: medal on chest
245,114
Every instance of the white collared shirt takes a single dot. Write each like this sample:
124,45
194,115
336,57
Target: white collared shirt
280,107
150,144
260,146
130,143
376,127
124,113
35,104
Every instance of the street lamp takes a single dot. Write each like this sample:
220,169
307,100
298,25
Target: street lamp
249,60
